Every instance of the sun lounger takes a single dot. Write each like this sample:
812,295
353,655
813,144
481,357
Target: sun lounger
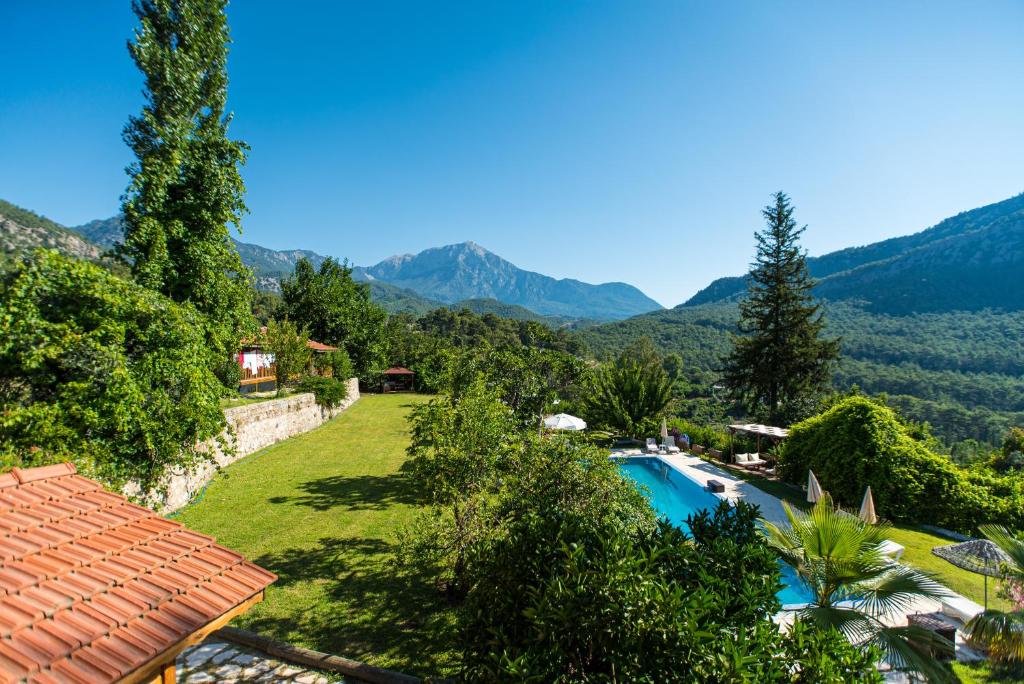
959,607
652,445
891,548
670,447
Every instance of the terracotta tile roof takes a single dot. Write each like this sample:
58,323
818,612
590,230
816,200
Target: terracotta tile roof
312,344
93,587
398,370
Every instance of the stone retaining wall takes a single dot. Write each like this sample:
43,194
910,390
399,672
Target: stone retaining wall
250,428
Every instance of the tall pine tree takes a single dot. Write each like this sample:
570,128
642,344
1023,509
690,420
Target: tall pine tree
780,360
185,187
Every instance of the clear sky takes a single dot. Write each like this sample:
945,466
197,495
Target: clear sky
632,141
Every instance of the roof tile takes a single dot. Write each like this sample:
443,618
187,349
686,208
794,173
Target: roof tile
92,587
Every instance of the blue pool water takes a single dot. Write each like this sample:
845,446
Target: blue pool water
676,497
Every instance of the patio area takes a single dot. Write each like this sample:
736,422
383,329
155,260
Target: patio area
952,611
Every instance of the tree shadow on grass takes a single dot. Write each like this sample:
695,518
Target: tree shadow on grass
354,493
359,606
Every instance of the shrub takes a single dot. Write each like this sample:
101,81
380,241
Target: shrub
328,392
339,363
859,442
287,342
709,436
103,373
229,373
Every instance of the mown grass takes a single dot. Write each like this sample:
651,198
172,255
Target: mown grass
919,544
323,511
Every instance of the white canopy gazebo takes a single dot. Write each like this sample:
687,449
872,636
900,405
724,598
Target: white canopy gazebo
775,434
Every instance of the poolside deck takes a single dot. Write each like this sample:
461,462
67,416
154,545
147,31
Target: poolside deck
771,508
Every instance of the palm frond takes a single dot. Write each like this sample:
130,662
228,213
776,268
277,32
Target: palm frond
1011,545
910,649
1002,632
896,590
853,624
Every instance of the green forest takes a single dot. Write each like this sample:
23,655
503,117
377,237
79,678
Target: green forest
962,372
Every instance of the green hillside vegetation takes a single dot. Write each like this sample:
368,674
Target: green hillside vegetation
960,371
970,261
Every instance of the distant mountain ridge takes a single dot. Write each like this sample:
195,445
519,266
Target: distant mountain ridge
457,276
466,270
968,262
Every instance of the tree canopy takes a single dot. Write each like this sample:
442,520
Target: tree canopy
102,373
780,359
338,311
185,187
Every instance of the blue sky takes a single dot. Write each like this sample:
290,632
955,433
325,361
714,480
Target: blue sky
595,140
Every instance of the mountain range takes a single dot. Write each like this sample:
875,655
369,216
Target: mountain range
454,273
457,276
971,261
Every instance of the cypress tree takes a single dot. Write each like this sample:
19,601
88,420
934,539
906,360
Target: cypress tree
780,360
185,186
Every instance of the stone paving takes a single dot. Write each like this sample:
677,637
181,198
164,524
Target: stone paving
222,661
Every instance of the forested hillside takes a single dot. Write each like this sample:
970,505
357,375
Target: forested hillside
963,372
970,261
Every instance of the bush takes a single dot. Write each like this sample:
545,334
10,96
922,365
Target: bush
100,372
230,374
287,342
709,436
860,442
339,363
328,392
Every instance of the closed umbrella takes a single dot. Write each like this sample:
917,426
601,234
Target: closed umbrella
977,555
664,431
563,421
813,488
867,508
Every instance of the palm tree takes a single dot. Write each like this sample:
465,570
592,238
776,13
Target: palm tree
1002,632
855,586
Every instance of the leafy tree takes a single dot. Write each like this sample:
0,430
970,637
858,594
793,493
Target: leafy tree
287,342
1003,632
860,442
780,360
185,184
576,590
629,394
97,371
336,310
837,556
459,451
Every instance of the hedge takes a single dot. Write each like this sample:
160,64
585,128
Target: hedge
859,442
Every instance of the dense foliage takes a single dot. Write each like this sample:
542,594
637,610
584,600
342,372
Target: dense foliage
963,372
336,310
329,392
859,442
630,394
185,185
780,362
855,587
561,572
287,342
97,371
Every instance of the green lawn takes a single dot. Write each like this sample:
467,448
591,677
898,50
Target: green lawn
918,543
322,511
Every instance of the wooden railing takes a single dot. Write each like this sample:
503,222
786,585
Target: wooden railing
264,374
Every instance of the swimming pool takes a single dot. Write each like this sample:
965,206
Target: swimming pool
676,497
